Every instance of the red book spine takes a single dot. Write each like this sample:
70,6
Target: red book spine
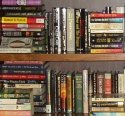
23,76
40,25
107,85
103,15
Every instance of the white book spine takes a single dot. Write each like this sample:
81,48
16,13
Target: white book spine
70,30
85,92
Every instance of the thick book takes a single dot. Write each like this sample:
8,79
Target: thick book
23,20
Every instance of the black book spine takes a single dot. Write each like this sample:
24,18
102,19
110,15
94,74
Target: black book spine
63,24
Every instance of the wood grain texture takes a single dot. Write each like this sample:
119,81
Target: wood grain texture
63,57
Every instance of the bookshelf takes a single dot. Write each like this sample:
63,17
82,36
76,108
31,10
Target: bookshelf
72,58
63,57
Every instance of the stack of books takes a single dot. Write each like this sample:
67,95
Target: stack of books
106,32
22,26
16,102
26,74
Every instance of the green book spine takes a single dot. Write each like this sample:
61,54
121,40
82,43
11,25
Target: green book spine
78,93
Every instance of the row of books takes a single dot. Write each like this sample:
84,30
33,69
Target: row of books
77,30
23,26
61,30
78,92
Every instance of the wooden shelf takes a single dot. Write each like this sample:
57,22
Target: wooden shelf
62,57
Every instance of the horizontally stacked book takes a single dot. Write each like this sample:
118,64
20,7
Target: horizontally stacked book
16,102
26,75
23,26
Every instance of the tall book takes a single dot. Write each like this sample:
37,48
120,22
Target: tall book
70,30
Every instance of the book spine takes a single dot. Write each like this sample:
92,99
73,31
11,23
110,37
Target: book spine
108,104
23,8
22,81
15,50
23,66
104,15
94,80
70,30
107,30
22,33
24,27
120,84
94,35
49,100
100,84
109,26
108,99
15,113
56,28
107,109
14,101
23,20
80,29
23,62
106,20
22,14
54,93
63,92
78,93
51,33
106,40
107,85
23,76
85,92
23,85
107,46
47,38
24,71
63,27
16,107
69,92
14,96
22,2
58,92
116,50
